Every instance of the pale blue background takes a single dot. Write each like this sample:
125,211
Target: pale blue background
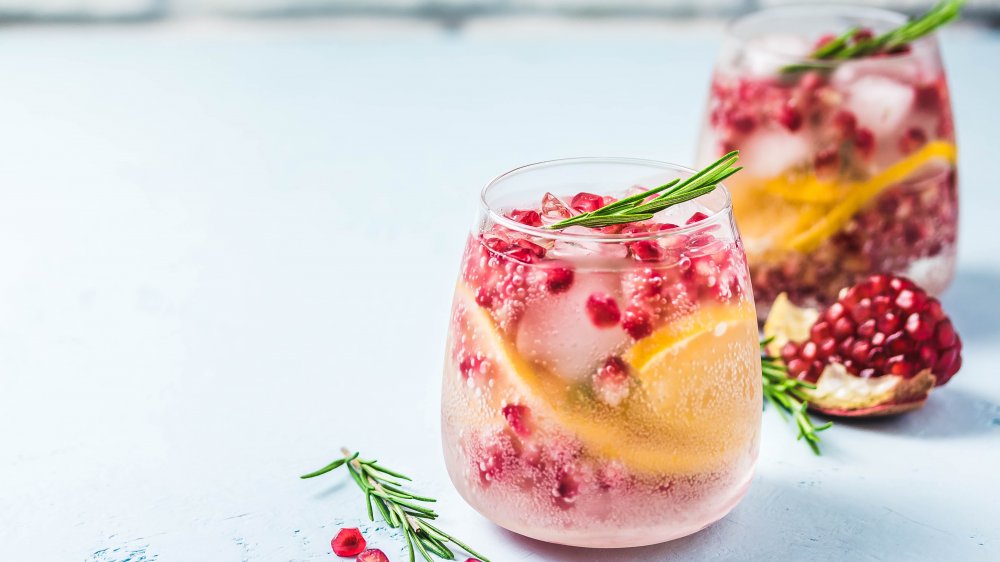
228,249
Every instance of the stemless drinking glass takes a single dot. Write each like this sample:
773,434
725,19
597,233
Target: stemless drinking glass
849,165
602,386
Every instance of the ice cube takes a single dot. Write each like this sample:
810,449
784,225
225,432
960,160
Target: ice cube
585,251
556,332
880,103
555,209
764,56
768,153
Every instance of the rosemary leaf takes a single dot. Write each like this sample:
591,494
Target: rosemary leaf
399,508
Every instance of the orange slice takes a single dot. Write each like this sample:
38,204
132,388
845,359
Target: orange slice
707,352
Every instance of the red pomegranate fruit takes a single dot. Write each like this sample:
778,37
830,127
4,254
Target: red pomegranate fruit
878,350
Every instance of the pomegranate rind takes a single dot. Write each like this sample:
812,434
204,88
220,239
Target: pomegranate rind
787,322
838,393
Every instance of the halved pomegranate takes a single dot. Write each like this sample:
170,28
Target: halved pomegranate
878,350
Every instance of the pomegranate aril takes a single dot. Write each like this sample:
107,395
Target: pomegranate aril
844,122
898,365
484,297
864,142
558,279
530,218
348,542
790,117
535,249
945,334
586,202
646,250
373,555
518,418
637,323
827,161
912,139
611,382
919,326
602,310
696,217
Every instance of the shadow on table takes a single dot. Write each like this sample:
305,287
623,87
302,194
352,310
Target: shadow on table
972,301
786,520
950,412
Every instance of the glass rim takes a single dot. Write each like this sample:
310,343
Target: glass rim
834,9
724,210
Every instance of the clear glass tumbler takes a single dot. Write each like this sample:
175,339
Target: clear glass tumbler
849,165
602,387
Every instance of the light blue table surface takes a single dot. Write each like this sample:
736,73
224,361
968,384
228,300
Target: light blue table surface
227,250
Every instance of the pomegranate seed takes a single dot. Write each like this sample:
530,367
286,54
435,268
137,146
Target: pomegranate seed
897,365
862,311
586,202
827,161
518,417
535,249
823,40
919,327
867,328
844,122
798,367
523,255
912,139
637,323
945,363
945,334
646,250
373,555
471,365
789,351
530,218
820,330
864,142
603,310
558,279
496,244
348,542
863,34
843,327
928,97
742,121
889,322
827,347
698,216
484,297
566,489
790,117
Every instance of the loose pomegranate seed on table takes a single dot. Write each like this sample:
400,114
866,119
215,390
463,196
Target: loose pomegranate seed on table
373,555
348,542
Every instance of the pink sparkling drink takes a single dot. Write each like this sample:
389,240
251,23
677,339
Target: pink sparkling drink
849,165
602,386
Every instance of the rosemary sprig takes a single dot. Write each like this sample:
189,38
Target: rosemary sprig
842,47
787,396
635,208
399,508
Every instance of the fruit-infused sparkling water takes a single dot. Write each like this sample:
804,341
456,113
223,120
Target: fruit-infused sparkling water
602,386
849,165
